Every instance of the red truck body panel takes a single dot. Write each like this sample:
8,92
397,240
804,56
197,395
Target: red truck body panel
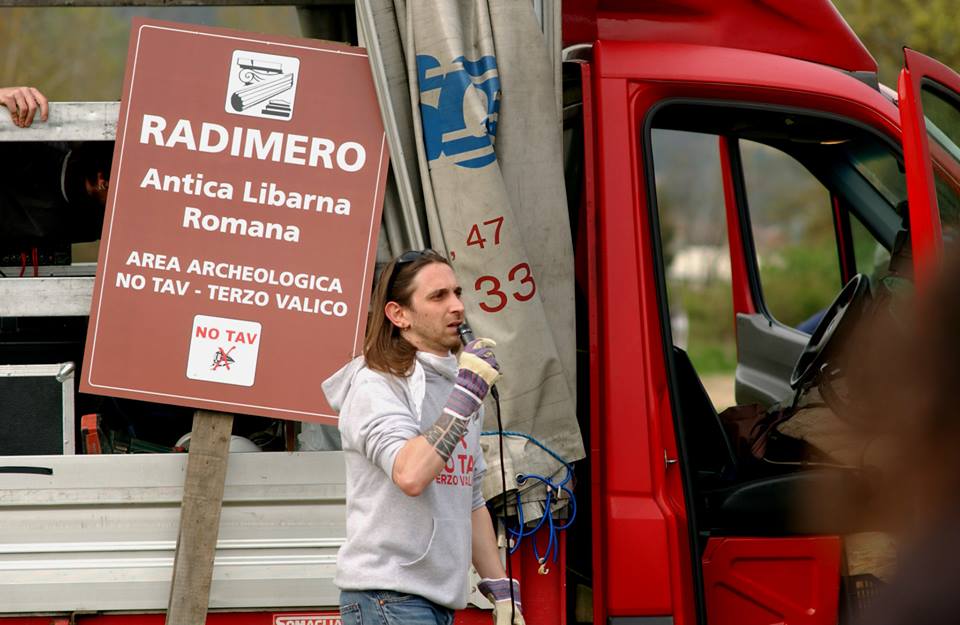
812,30
742,295
757,581
643,514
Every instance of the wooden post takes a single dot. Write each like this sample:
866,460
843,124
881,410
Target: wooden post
199,518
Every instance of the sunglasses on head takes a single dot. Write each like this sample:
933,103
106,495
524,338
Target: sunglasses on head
405,259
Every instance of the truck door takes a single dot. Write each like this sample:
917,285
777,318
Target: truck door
929,109
669,472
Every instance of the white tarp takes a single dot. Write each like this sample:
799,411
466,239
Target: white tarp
472,79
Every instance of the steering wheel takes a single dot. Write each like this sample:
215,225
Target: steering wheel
846,306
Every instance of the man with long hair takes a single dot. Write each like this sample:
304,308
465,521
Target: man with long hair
410,418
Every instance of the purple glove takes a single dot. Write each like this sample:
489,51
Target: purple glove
479,371
481,349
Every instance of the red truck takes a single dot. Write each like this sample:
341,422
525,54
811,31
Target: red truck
678,533
672,527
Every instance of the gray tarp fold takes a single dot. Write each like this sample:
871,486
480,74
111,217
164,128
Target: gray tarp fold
468,96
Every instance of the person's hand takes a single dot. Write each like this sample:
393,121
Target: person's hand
477,357
498,592
23,104
478,372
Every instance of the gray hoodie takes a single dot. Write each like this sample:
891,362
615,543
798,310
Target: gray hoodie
418,545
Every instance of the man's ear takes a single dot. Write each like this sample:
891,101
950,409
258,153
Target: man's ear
397,315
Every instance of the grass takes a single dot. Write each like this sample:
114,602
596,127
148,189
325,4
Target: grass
712,341
805,282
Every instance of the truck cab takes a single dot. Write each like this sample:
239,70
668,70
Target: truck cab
684,530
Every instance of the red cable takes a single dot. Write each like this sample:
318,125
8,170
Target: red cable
36,263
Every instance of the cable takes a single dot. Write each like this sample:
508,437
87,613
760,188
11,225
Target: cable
466,335
503,494
552,550
530,438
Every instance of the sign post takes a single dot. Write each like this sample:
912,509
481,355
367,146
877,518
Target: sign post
238,245
199,518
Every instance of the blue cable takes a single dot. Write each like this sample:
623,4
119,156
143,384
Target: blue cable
532,440
552,549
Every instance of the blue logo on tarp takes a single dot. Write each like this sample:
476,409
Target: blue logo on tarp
450,100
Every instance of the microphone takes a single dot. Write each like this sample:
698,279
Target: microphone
466,335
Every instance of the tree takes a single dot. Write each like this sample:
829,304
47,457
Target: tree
51,49
885,26
78,54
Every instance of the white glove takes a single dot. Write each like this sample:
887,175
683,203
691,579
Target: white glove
498,592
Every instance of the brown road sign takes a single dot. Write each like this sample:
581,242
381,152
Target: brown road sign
241,227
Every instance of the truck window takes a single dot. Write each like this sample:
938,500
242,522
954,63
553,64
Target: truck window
803,182
870,257
793,235
696,256
942,116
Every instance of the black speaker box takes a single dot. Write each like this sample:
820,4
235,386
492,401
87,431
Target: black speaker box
36,410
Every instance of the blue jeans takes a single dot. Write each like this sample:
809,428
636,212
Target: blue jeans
386,607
